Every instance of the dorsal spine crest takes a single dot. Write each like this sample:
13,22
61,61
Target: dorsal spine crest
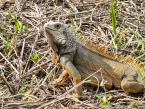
90,44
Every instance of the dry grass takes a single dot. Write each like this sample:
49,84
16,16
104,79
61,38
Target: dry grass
25,84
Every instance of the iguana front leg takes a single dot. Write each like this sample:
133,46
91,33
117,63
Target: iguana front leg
72,71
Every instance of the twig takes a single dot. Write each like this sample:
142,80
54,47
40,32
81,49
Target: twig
30,72
71,6
11,89
16,71
22,50
42,82
81,102
63,96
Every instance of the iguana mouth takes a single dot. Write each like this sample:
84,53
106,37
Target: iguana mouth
47,28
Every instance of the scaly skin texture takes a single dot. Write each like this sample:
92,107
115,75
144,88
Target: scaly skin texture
80,60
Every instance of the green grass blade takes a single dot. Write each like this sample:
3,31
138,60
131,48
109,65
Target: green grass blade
113,17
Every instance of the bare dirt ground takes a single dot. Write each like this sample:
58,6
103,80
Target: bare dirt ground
25,84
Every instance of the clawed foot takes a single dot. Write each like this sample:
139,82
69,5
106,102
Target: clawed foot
74,94
61,78
57,82
78,96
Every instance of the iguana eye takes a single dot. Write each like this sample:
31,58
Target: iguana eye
57,26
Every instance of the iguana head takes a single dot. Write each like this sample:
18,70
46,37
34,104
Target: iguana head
55,32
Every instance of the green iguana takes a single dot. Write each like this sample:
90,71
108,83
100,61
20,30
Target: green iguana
80,59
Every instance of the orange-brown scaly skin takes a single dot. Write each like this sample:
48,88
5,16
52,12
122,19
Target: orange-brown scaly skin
80,58
54,57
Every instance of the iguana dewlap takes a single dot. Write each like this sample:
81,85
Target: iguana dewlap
79,61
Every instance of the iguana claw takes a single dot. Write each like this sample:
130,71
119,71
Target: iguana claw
61,78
